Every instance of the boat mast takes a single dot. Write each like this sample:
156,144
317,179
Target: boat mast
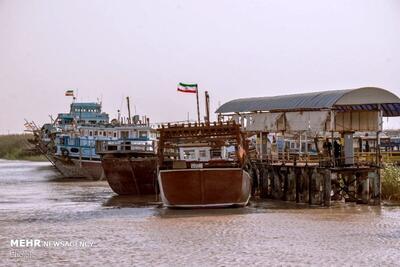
197,99
129,110
207,96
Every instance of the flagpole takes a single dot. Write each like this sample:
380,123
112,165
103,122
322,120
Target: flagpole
198,107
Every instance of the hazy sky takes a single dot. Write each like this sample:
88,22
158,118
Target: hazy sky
112,49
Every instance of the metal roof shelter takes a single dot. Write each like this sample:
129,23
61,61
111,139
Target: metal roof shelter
365,98
292,130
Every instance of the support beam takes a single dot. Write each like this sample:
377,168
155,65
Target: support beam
327,188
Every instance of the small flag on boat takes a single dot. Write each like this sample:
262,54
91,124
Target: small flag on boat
69,93
187,88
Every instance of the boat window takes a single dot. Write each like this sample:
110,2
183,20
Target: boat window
74,150
203,154
250,121
189,154
124,134
96,133
115,134
215,153
104,133
142,134
90,133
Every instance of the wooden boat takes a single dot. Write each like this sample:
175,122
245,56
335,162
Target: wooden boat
202,166
66,167
130,167
90,169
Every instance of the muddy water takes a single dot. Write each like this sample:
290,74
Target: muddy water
84,223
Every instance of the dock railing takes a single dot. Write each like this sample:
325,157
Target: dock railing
359,159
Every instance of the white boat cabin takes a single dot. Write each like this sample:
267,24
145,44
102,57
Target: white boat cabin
204,154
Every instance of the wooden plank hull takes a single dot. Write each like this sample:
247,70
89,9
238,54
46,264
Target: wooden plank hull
67,168
91,169
213,187
131,176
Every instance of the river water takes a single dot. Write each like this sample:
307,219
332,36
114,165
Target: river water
80,222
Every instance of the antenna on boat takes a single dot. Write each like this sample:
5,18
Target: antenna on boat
129,110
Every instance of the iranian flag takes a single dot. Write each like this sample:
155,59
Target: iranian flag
187,88
69,93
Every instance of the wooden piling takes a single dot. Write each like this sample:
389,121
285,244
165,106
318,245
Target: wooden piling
263,181
376,187
310,188
365,190
285,174
327,188
298,184
291,184
305,185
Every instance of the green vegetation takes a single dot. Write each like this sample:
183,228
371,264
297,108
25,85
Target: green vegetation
391,182
17,147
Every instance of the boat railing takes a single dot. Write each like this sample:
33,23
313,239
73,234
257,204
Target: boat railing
185,124
124,146
199,164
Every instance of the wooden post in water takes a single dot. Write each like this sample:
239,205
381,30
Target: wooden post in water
365,189
292,183
327,188
376,187
263,181
285,174
298,183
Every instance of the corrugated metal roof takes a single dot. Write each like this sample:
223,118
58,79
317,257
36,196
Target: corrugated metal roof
356,99
315,100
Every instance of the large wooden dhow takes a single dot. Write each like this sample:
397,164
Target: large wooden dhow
201,165
130,165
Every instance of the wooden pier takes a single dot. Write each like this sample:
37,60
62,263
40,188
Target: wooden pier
318,147
315,185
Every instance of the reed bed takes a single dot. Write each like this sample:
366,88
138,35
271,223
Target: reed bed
17,147
390,178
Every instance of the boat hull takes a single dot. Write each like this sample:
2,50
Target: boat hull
67,168
75,168
203,188
131,175
91,169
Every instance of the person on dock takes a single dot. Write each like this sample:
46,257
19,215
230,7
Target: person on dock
367,146
327,148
